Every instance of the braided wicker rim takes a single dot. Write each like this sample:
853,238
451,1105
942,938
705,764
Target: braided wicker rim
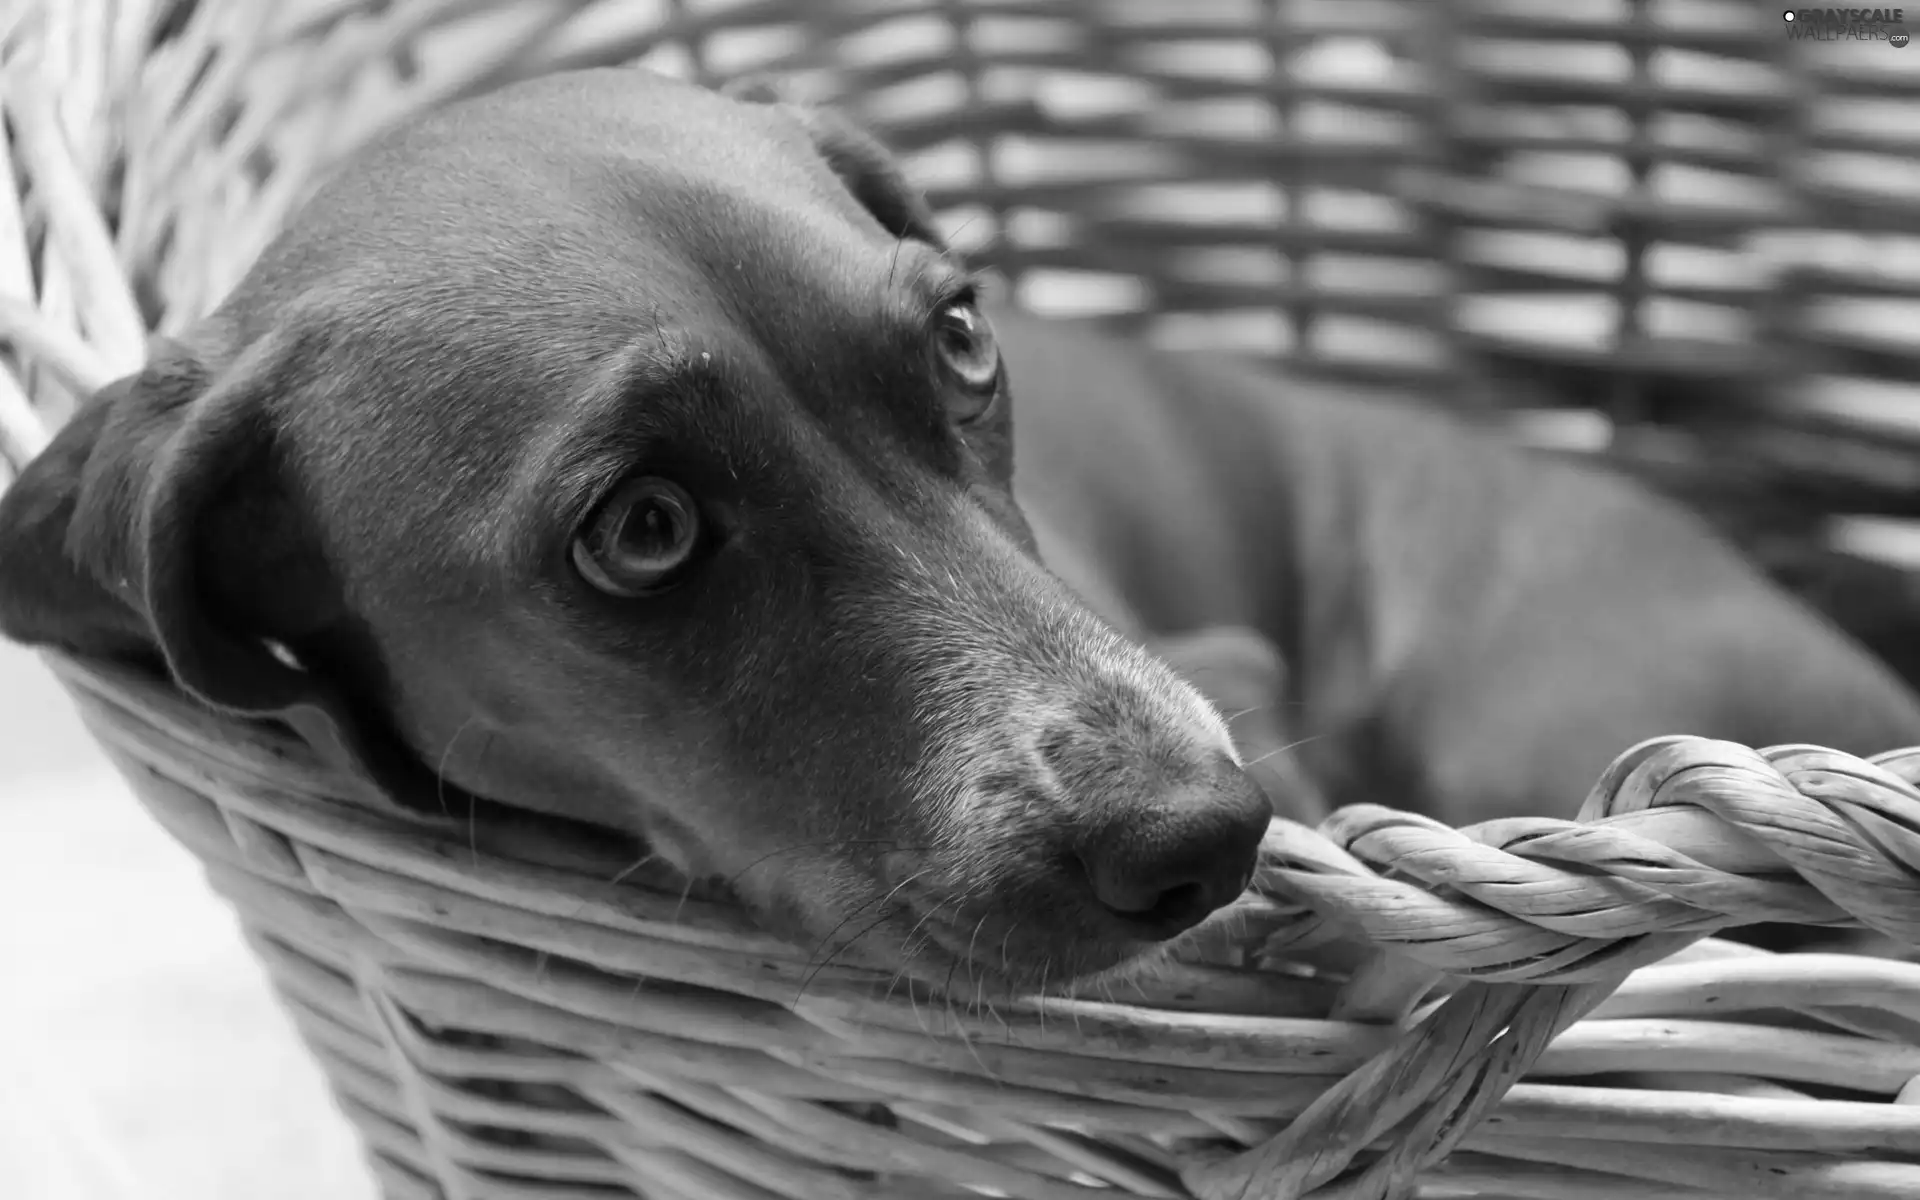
502,1016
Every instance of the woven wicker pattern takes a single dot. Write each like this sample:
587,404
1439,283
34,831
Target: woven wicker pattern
508,1014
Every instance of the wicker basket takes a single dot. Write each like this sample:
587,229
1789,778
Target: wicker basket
1400,192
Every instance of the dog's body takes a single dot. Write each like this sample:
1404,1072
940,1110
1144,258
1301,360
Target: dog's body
620,449
1467,630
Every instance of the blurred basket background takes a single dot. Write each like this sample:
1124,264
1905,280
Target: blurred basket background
1671,234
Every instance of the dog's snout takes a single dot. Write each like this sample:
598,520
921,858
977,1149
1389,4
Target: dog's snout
1164,868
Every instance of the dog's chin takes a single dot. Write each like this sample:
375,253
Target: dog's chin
950,943
994,955
1043,967
989,957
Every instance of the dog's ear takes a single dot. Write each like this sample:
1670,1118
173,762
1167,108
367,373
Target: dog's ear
114,535
868,170
46,596
871,174
159,523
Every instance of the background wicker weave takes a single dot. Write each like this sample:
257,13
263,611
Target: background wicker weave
1674,236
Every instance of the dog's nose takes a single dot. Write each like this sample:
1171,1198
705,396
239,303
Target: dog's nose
1165,868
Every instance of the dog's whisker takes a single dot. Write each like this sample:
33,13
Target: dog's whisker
913,1002
882,902
946,985
885,915
619,877
440,787
686,893
911,950
1279,750
625,873
893,981
841,924
921,923
973,983
893,262
901,973
837,951
957,1026
1013,1001
962,227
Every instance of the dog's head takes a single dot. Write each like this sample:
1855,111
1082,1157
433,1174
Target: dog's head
622,449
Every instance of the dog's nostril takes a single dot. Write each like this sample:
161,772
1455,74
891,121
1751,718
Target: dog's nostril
1183,904
1161,906
1164,871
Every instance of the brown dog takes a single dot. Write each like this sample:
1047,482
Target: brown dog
616,448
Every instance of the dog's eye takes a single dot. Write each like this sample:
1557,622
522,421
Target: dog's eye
640,538
964,342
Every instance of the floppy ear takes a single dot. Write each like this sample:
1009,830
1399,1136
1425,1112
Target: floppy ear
159,523
871,174
105,537
46,596
865,166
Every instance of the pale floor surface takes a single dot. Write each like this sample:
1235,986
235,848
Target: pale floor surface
142,1056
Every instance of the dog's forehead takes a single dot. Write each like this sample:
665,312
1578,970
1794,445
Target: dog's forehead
579,168
529,233
495,263
586,198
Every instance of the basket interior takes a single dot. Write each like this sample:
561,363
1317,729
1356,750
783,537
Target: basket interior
1668,233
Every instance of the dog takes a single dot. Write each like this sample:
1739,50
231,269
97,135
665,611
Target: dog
643,455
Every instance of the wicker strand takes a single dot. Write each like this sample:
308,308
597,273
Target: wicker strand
1793,833
1808,805
108,313
1442,1070
1436,1080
